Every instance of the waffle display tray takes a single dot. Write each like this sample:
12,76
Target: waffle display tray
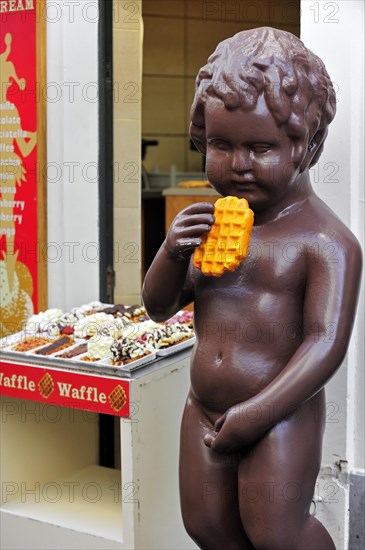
102,366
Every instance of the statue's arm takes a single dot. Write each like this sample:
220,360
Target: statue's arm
168,284
166,288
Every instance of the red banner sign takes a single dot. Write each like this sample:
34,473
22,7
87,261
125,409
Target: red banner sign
18,164
101,394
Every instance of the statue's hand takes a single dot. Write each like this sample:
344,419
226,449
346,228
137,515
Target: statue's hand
188,228
233,431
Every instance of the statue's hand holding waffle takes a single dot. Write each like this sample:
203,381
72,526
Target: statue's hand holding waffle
189,229
226,245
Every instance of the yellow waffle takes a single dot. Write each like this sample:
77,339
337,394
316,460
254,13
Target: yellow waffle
31,343
46,385
117,398
226,245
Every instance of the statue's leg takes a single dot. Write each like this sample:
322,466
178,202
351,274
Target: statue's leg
208,487
277,482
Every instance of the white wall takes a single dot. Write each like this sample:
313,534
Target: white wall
335,32
72,150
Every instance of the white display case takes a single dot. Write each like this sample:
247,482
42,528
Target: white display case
54,493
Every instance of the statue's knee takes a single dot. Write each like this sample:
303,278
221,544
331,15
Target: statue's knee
273,540
204,532
193,529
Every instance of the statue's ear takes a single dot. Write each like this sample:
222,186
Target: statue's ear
314,150
197,134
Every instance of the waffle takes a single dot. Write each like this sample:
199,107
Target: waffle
193,184
31,343
117,398
225,246
123,362
46,385
90,359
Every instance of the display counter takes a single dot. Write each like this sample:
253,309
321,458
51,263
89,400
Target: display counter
54,493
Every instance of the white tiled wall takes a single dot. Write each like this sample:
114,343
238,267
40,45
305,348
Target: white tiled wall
127,71
179,37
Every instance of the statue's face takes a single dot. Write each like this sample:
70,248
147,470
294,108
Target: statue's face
249,156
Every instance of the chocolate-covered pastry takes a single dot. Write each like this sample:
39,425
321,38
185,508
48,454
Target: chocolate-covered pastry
74,352
135,313
57,345
125,351
115,310
166,336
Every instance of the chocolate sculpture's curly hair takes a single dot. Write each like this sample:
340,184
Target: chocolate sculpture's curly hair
296,86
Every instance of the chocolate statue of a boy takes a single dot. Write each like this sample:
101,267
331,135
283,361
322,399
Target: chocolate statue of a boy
273,332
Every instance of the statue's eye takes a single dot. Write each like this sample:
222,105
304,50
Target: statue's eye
219,144
260,147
